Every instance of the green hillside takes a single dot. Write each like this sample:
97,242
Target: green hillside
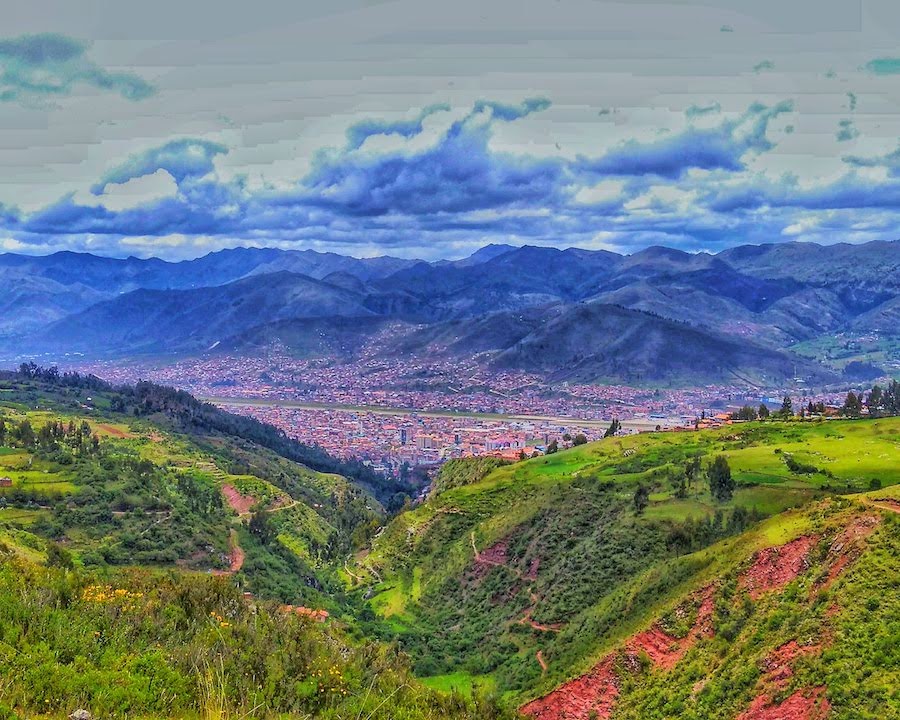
118,480
159,558
519,580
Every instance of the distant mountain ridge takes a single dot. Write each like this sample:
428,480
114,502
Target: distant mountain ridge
525,307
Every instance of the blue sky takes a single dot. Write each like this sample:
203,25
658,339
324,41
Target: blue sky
430,129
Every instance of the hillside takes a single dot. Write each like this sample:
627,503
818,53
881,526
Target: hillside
590,342
194,320
155,645
543,570
605,581
150,476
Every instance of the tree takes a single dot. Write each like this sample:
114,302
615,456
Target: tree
852,405
721,484
691,468
552,447
681,491
613,428
745,413
641,499
763,411
261,527
580,439
875,401
787,407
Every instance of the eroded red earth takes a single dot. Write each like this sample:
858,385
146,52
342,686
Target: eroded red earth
775,567
591,695
241,504
802,705
595,694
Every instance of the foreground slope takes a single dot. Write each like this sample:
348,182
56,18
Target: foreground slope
533,573
142,644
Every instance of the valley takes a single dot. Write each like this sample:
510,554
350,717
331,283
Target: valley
610,580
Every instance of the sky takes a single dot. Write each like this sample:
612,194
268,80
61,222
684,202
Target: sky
424,129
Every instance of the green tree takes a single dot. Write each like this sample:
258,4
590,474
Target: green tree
641,499
745,413
787,407
261,527
763,411
721,483
580,439
552,447
852,405
613,428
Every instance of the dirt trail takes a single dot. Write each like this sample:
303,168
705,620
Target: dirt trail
236,554
539,655
889,504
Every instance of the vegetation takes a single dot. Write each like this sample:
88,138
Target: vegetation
146,644
540,555
131,528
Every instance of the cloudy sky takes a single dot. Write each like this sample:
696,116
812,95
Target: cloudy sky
420,128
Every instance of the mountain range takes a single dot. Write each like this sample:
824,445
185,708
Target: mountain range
656,315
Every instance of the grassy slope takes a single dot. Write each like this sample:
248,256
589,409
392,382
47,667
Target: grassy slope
141,644
571,512
308,509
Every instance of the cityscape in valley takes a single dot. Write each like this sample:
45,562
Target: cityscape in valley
410,360
398,414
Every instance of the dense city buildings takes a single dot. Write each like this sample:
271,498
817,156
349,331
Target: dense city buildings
393,412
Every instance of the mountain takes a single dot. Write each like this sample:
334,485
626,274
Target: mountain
194,320
596,342
747,306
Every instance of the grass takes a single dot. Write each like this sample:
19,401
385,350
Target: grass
460,682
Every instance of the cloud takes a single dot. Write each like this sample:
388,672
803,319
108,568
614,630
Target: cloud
720,148
889,161
695,111
695,189
183,159
360,132
43,66
884,66
846,131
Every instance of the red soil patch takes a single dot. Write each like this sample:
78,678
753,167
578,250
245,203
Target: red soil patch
113,431
496,554
665,650
236,556
778,666
591,695
802,705
533,568
597,691
775,567
241,504
848,545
